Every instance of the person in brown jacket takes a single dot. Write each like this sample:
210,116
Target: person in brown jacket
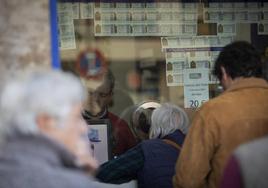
238,115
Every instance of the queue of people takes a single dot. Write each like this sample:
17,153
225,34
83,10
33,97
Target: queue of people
43,137
152,161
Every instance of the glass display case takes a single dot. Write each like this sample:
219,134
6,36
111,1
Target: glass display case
160,51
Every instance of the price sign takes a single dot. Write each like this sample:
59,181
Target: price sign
195,87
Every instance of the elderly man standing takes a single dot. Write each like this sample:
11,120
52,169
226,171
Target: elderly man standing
43,136
220,125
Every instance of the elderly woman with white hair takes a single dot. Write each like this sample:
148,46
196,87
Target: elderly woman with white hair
152,161
43,136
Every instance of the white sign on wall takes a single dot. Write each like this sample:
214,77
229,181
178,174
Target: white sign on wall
195,87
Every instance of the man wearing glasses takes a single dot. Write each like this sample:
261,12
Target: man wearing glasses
100,94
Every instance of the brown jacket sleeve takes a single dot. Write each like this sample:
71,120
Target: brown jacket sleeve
193,165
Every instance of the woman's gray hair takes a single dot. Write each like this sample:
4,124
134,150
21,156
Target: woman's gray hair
166,119
35,92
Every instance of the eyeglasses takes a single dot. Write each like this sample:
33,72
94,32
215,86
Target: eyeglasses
100,94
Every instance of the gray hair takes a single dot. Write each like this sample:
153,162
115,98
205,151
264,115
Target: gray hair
166,119
37,91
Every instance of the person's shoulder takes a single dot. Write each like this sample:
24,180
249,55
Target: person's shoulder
117,121
72,178
252,160
208,107
112,115
151,142
219,99
56,177
210,111
216,103
158,146
254,147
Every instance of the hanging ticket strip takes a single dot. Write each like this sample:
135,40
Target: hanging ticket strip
184,52
67,12
189,58
191,53
145,19
189,63
66,25
157,18
226,15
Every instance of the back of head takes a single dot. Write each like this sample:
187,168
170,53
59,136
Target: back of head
34,92
141,119
240,59
166,119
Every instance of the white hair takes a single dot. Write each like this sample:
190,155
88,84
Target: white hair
166,119
37,91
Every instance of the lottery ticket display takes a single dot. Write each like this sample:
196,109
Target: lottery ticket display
199,52
263,28
87,10
66,26
145,19
226,15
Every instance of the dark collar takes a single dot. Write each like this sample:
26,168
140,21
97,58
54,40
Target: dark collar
177,137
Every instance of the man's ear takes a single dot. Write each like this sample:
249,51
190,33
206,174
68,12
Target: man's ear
224,74
44,122
226,80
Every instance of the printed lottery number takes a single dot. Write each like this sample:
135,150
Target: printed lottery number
195,103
